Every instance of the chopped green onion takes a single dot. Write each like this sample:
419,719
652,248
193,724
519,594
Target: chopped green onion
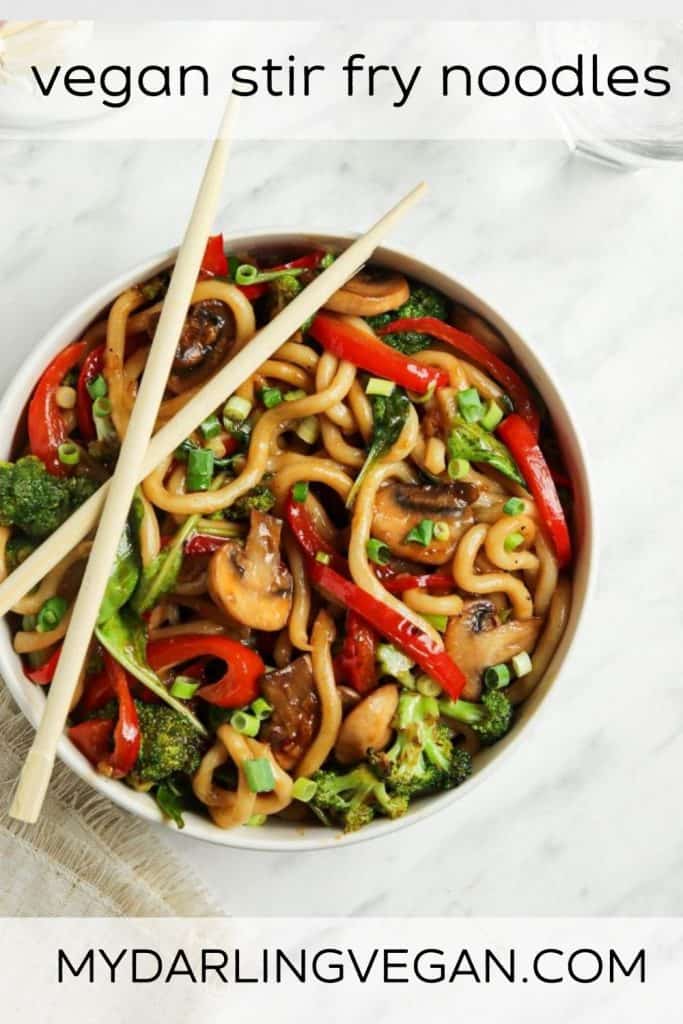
261,708
378,551
323,557
51,614
246,273
469,404
68,453
294,396
300,491
304,789
439,622
458,468
245,723
327,260
493,414
97,387
101,407
441,530
521,664
271,397
379,386
28,623
427,686
513,541
308,429
184,687
199,469
236,409
256,820
211,427
422,533
496,677
259,774
513,507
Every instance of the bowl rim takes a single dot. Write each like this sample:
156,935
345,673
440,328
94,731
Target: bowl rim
283,837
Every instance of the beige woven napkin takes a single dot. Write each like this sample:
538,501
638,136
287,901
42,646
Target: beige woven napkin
85,858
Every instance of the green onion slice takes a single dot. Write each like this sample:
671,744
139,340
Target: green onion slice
378,551
246,724
259,774
184,687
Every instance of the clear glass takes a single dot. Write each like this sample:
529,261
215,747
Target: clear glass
626,131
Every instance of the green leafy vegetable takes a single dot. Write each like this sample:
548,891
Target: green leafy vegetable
389,414
171,800
123,578
472,442
161,575
125,637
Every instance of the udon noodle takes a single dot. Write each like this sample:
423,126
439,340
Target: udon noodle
341,585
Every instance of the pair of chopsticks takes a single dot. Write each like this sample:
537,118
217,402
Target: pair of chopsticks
139,455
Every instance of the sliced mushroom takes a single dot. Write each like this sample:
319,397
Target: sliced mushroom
400,507
475,640
206,339
368,726
250,582
370,292
296,711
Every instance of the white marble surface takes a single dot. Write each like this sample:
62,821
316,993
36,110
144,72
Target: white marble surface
584,817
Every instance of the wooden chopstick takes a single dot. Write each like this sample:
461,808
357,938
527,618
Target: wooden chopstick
35,776
212,395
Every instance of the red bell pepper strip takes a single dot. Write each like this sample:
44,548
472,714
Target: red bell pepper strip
97,691
356,662
369,353
93,738
519,438
215,261
239,684
391,624
215,264
508,379
46,424
308,262
92,366
396,583
127,730
204,544
44,674
308,537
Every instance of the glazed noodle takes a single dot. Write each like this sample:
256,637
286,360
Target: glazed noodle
339,588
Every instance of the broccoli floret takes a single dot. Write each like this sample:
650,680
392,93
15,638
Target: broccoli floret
423,301
169,743
34,500
490,720
259,498
422,758
18,549
353,799
281,291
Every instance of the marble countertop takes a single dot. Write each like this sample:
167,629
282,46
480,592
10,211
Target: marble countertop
583,818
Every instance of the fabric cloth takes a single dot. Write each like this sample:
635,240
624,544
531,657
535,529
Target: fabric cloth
85,857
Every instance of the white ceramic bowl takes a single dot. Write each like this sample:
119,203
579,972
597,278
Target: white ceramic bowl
278,835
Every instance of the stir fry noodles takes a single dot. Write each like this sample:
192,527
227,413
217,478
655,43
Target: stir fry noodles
338,589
